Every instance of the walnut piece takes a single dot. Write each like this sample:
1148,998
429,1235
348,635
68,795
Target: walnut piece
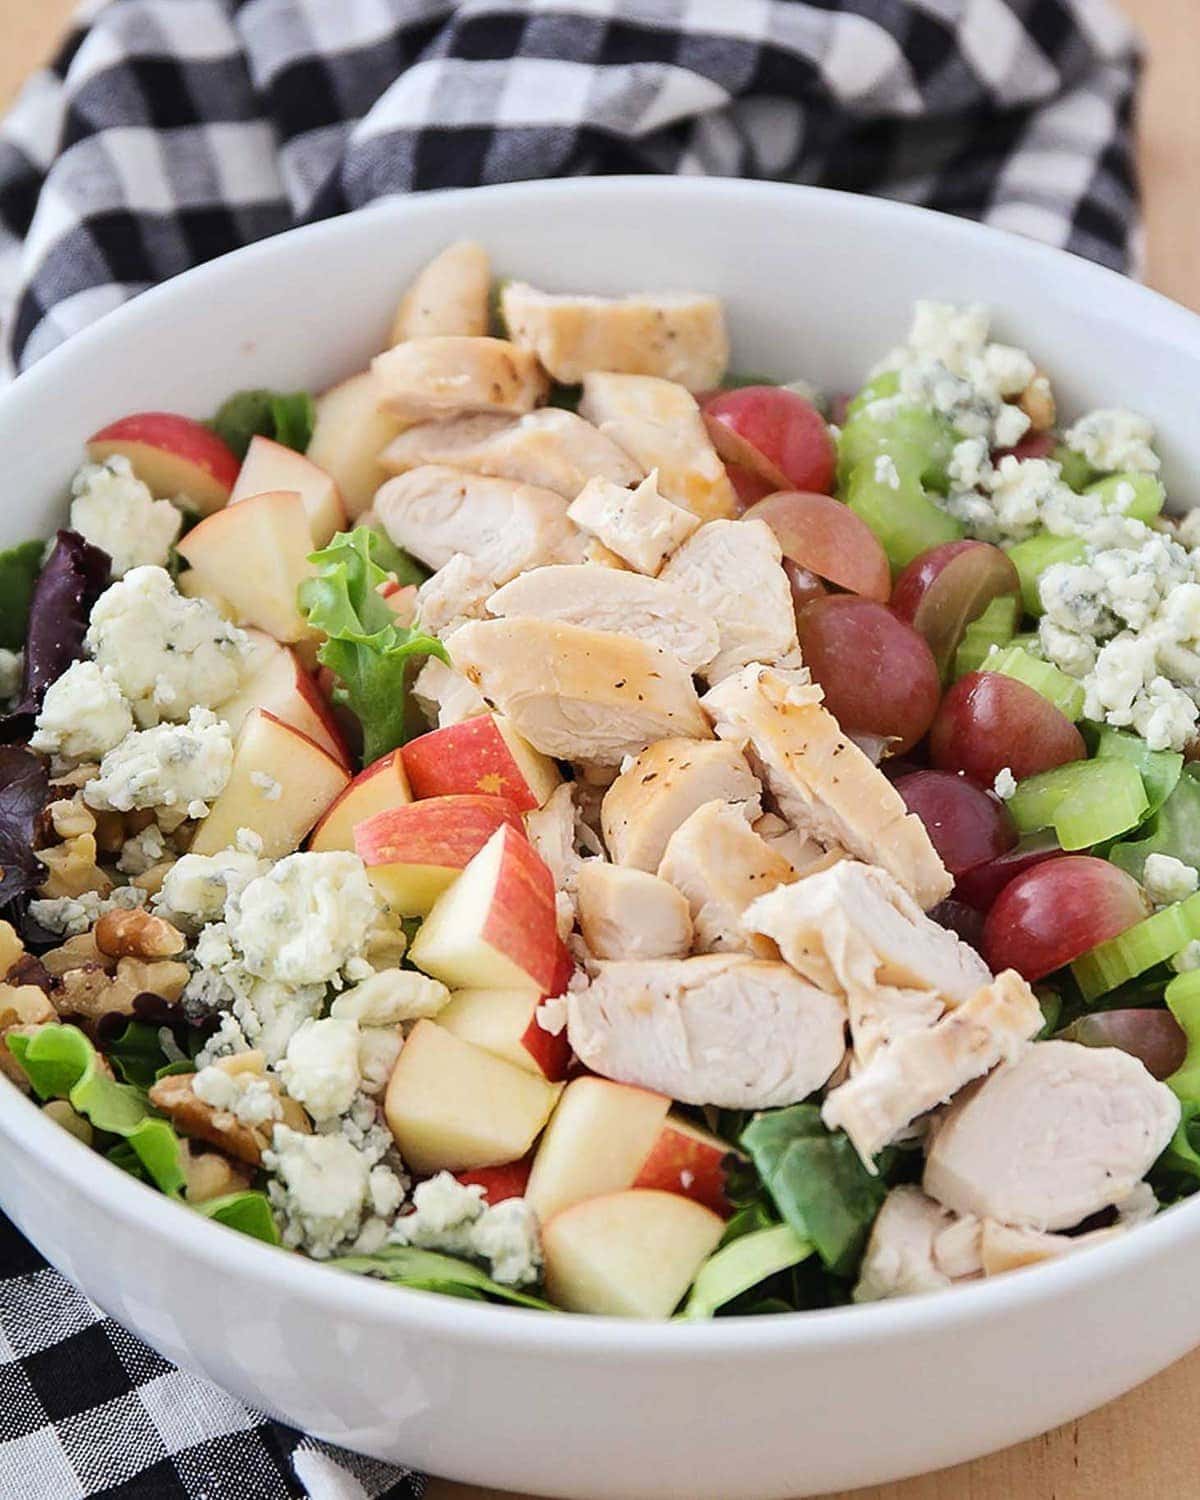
79,952
91,992
71,816
1037,402
72,869
211,1175
24,1005
136,933
11,947
62,1114
177,1098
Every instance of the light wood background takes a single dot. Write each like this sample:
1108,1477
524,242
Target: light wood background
1146,1446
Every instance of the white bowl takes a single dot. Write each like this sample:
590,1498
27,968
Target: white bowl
817,284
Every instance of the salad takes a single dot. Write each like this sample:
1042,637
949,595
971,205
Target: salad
553,821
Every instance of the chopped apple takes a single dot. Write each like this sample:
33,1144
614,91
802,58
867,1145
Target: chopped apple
349,435
379,788
630,1255
499,1183
505,1022
494,928
255,554
269,465
280,784
414,852
688,1160
278,683
454,1107
484,754
597,1141
174,456
401,599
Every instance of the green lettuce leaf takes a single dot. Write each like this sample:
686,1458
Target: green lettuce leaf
368,652
1174,829
741,1264
19,568
248,1212
1176,1173
136,1054
429,1271
287,417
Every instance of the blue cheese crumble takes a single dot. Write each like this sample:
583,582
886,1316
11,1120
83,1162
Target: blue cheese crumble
1115,441
453,1218
198,887
1168,880
113,510
176,770
83,716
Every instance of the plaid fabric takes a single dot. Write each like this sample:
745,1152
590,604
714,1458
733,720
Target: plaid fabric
169,131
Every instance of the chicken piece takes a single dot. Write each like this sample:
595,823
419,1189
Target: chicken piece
1052,1137
457,592
502,526
679,336
734,571
921,1069
822,782
659,425
1005,1247
597,553
899,1260
662,787
720,1029
640,526
551,830
853,930
445,696
552,449
577,694
448,296
627,914
605,599
444,376
721,865
803,853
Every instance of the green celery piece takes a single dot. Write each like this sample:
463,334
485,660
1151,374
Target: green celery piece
248,1212
1183,1001
1042,676
1160,770
1033,556
19,569
427,1270
740,1265
1139,948
994,627
1147,501
1076,471
906,521
1085,802
917,439
887,383
1174,829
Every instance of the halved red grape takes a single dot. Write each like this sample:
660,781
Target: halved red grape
877,672
1154,1037
987,722
787,431
965,824
962,920
940,592
749,487
827,538
1032,445
734,451
805,586
1060,909
980,886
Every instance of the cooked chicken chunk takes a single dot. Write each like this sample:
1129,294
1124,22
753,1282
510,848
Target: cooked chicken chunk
921,1069
427,378
900,1260
448,296
659,425
721,1029
457,592
1051,1138
552,449
1003,1247
639,526
721,865
502,526
445,696
625,913
608,599
679,336
804,854
733,570
551,830
578,694
822,782
662,787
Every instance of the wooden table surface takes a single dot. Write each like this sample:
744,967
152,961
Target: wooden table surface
1145,1446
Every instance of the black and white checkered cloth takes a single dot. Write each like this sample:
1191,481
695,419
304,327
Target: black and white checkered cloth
169,131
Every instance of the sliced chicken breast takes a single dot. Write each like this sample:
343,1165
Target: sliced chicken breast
804,854
449,296
445,696
457,592
659,425
822,782
1051,1138
721,865
922,1069
678,335
586,695
720,1029
640,526
551,448
424,379
608,599
626,914
502,526
899,1260
662,787
551,830
1005,1247
734,571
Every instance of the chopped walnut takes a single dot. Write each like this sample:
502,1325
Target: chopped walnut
24,1005
73,869
110,831
151,880
91,992
137,934
69,817
11,947
9,1066
211,1175
1037,402
77,777
176,1096
77,952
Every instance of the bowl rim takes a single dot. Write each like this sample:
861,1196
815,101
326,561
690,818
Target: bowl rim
100,1183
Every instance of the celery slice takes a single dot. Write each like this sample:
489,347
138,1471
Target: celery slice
1147,500
1139,948
1085,802
1174,830
742,1264
914,437
886,383
1042,676
905,520
1033,556
994,627
1183,1001
1160,770
1076,471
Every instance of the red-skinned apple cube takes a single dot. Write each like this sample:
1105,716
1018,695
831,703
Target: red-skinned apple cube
380,787
499,1183
414,852
176,457
505,1022
349,435
688,1160
495,927
454,1107
281,685
484,754
269,465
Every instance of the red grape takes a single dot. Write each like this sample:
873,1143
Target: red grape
827,538
805,586
942,590
963,921
877,672
787,431
965,825
980,886
1154,1037
1032,445
741,455
988,721
1057,911
749,487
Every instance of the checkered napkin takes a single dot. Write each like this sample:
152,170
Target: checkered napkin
169,131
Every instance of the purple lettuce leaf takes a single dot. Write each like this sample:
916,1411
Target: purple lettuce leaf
24,792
